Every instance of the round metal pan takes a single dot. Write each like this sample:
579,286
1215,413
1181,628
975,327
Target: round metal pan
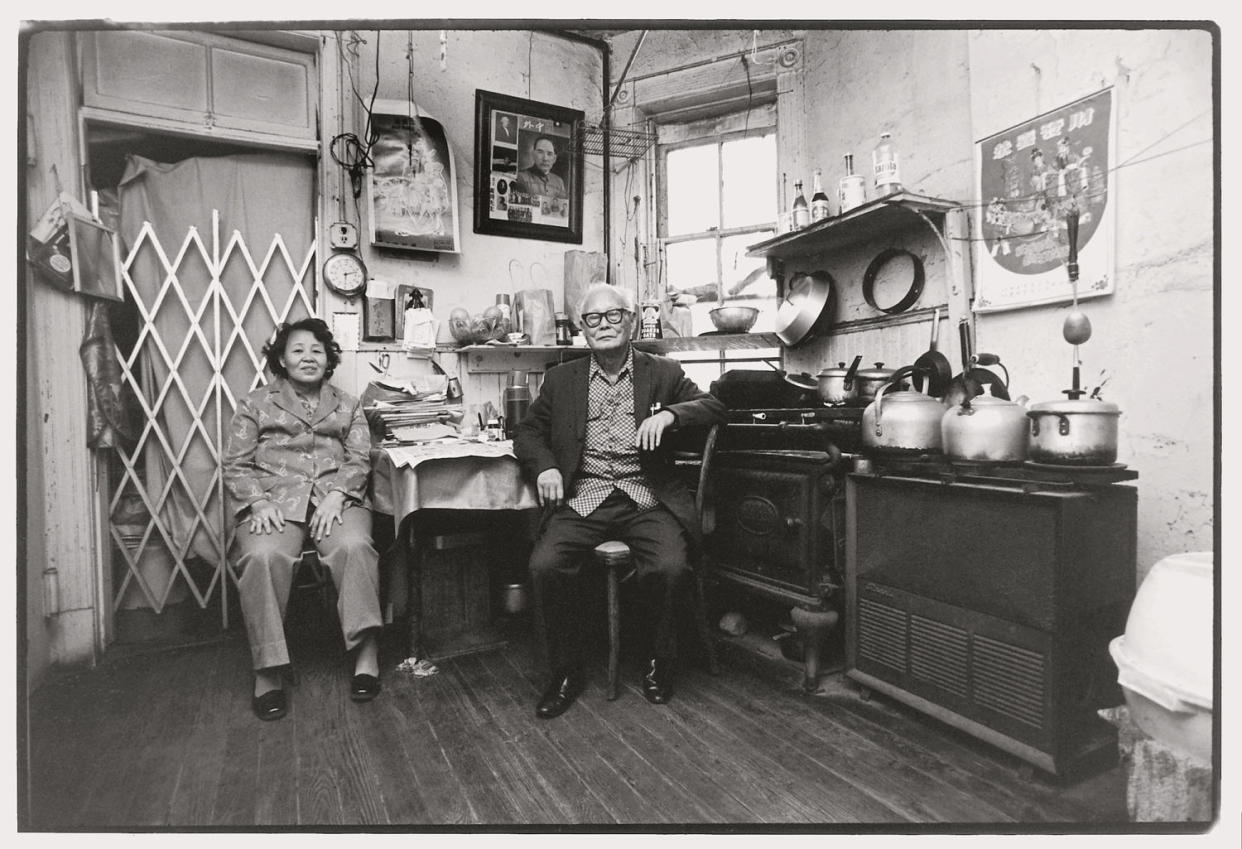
807,308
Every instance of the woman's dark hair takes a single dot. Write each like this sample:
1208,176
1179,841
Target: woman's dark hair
273,350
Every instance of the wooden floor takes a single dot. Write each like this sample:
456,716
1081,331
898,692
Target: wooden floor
166,740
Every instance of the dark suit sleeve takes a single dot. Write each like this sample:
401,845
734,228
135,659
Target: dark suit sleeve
533,441
690,405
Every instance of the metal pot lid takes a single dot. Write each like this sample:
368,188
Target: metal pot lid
877,373
839,370
1078,405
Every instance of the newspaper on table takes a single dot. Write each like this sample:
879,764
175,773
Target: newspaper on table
412,455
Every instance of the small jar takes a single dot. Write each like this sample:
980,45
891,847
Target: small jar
564,333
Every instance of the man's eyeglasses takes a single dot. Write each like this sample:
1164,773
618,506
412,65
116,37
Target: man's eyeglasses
592,319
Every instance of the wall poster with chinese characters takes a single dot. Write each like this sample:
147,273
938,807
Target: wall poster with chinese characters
1029,177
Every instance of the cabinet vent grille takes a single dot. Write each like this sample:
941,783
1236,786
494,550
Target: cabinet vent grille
882,633
1009,680
939,654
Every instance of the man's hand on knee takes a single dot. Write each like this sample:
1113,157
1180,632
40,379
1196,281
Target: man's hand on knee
550,487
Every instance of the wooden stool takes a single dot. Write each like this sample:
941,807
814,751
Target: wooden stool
615,558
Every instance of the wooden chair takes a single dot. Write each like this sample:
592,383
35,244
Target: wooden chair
615,558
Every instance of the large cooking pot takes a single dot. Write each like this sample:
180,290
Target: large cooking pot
837,385
903,421
869,380
807,308
1074,432
985,429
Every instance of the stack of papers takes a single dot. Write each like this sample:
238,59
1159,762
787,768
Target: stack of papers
415,420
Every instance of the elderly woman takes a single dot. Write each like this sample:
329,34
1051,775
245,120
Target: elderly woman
296,468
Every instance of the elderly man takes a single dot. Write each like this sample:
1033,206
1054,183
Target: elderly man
537,178
592,440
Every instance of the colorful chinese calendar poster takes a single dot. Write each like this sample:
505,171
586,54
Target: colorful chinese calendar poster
1030,177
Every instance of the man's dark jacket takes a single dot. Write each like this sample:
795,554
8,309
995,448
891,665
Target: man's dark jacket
553,433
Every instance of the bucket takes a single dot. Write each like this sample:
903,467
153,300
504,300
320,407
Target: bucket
1165,657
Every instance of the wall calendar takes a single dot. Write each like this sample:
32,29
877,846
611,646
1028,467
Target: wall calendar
1029,176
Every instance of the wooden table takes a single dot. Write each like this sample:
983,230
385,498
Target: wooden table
458,478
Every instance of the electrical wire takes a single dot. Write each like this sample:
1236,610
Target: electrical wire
351,153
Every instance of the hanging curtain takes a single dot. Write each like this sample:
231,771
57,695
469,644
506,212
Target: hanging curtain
208,336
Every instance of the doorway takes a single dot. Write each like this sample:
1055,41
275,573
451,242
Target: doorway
217,249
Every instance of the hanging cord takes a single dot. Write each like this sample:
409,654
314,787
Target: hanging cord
750,93
347,150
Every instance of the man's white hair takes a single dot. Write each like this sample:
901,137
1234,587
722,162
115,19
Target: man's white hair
625,296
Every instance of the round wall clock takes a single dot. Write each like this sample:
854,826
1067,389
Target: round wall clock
345,274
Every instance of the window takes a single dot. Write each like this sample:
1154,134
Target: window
717,192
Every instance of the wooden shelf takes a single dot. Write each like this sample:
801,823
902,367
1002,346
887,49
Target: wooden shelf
878,216
723,342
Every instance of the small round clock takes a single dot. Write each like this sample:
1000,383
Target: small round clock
345,274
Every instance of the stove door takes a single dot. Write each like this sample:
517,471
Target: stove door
772,523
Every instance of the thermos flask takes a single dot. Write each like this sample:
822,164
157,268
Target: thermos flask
516,401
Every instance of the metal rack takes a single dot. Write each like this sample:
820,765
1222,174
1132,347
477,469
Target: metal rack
619,142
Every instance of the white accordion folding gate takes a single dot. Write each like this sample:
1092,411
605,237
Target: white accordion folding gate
201,329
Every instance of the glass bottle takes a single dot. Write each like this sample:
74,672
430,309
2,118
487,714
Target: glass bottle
852,190
819,200
801,212
887,171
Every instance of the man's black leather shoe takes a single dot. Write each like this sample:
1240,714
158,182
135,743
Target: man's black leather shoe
270,705
559,696
658,682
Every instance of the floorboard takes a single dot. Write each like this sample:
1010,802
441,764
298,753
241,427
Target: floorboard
167,739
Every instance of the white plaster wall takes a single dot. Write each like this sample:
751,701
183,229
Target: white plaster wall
1155,334
519,63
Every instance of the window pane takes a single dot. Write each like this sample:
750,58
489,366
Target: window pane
746,281
749,176
691,269
692,186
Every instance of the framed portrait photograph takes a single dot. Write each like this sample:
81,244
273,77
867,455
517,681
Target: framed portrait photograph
412,190
528,178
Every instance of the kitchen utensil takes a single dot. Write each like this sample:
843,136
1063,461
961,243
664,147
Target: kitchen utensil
734,319
902,422
910,298
932,367
985,429
1077,327
869,380
1074,432
807,309
837,385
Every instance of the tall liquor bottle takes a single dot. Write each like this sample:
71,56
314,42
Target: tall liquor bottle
884,162
819,200
801,212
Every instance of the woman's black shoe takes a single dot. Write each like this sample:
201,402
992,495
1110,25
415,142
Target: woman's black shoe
271,705
363,687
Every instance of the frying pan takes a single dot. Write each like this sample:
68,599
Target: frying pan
932,367
807,307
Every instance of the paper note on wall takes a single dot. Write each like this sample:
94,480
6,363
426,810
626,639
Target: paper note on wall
346,329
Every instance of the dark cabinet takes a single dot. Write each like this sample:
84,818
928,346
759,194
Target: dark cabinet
990,605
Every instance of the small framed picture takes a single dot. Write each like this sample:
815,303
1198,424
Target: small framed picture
528,174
